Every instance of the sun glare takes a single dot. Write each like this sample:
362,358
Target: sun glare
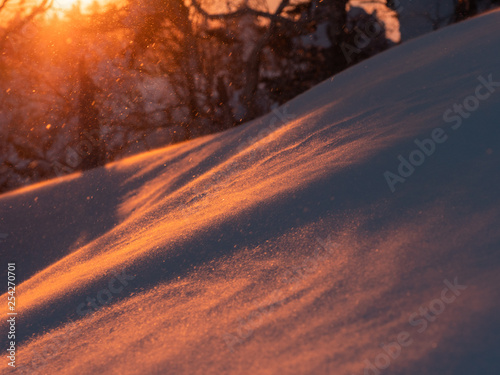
68,4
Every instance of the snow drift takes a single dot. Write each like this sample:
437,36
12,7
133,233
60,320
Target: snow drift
352,231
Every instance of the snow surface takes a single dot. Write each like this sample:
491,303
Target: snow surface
277,246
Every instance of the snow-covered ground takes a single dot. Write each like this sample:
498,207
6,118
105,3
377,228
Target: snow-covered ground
290,245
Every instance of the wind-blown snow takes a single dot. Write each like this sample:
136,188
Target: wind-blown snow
278,246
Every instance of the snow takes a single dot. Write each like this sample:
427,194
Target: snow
278,246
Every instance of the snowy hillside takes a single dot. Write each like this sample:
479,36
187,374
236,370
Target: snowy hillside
353,231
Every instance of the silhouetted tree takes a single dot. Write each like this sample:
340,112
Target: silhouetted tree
165,65
89,142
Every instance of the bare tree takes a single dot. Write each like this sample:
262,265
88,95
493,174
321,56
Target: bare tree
21,15
335,15
88,121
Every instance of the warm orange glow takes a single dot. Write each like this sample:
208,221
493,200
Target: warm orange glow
68,4
269,248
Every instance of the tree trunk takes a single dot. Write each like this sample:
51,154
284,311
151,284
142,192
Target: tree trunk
89,145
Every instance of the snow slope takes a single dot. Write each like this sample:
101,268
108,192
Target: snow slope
278,246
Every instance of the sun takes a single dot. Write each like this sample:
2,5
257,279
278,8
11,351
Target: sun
68,4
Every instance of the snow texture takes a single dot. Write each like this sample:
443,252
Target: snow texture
279,246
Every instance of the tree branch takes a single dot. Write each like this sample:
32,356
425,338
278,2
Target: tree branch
244,11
